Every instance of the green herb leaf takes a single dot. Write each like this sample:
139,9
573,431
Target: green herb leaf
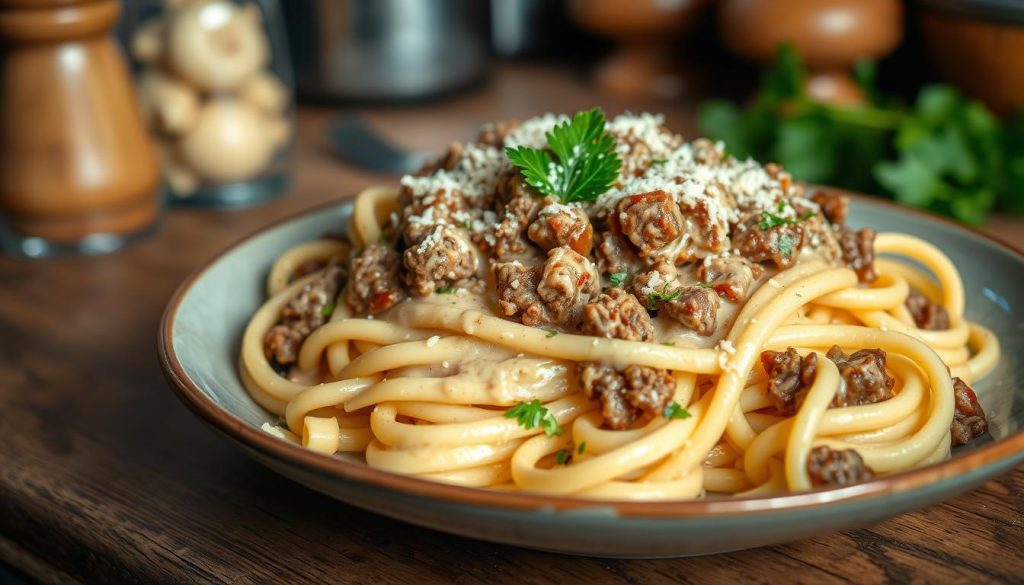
562,457
947,153
654,297
674,410
467,224
769,220
581,448
327,310
445,290
658,162
533,414
786,245
551,333
617,278
668,343
585,163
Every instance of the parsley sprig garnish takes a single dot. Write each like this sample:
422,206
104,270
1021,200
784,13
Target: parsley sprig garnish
533,414
663,296
584,164
674,410
617,278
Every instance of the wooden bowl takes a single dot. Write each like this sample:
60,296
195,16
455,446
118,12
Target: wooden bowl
978,45
830,35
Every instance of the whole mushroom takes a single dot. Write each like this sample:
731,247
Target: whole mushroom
170,106
231,141
265,91
214,44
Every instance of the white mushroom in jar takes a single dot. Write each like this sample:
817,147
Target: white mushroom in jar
148,43
216,45
265,91
181,179
232,141
170,106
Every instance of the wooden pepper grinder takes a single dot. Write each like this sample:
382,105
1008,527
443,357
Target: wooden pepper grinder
78,169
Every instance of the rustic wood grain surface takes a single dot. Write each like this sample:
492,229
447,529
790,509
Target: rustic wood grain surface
105,477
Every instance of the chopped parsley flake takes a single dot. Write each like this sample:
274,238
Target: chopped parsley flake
654,297
467,224
673,410
562,457
786,243
445,290
533,414
581,448
617,278
551,333
769,220
327,310
658,161
668,343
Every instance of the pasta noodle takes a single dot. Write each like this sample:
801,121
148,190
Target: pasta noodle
429,386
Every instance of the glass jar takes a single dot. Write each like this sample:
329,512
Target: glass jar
217,92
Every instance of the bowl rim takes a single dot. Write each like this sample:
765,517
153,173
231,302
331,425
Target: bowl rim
350,471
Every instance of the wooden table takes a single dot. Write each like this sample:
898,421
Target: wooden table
104,476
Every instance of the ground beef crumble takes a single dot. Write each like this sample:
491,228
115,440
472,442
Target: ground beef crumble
927,313
650,221
552,292
614,255
834,206
731,277
790,376
518,207
616,314
443,259
867,381
696,308
828,466
858,250
626,396
374,285
561,225
303,314
969,419
780,244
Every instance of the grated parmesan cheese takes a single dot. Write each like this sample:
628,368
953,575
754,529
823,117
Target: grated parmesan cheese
432,340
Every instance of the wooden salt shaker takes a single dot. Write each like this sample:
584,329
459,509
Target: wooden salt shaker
78,169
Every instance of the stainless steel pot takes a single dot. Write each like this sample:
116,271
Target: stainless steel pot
386,49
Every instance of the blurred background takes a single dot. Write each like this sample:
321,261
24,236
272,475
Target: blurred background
226,104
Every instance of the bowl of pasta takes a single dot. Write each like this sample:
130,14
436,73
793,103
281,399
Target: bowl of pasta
592,336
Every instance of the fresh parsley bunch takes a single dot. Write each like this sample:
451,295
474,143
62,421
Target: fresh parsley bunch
947,154
580,163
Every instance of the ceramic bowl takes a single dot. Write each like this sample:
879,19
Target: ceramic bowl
199,344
